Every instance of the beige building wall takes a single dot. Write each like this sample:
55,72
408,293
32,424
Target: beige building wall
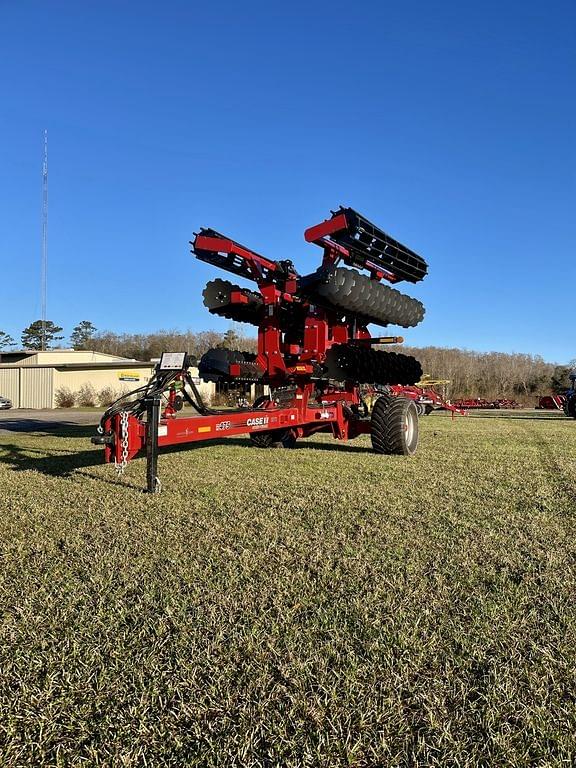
115,378
36,387
206,388
10,385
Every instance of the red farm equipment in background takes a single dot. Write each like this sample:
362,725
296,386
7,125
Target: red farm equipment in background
552,402
315,352
562,402
426,399
479,403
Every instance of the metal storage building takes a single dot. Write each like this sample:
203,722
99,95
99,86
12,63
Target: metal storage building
31,379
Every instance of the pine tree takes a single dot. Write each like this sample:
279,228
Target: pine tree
37,331
6,340
230,340
82,334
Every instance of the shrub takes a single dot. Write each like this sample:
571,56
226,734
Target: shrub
222,399
107,396
86,396
65,398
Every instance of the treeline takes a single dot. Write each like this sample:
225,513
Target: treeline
147,346
488,375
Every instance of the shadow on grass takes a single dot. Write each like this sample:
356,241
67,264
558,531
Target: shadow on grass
39,427
520,416
303,443
57,462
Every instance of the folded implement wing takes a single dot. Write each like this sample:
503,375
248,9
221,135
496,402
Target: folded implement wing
368,246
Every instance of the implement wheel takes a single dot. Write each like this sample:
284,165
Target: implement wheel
394,428
571,406
274,438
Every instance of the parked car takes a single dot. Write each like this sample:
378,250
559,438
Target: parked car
5,403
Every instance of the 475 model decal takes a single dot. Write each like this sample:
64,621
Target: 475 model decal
256,421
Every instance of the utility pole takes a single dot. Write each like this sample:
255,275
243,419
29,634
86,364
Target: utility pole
44,270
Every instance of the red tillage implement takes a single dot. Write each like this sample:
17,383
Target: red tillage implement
426,399
552,402
480,404
314,350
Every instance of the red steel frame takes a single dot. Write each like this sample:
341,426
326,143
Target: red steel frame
318,235
178,431
306,415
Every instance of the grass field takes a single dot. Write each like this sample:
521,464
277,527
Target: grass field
317,607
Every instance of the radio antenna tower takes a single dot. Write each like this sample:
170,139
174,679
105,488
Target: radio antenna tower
44,277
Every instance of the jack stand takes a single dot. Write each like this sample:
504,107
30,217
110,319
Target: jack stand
153,484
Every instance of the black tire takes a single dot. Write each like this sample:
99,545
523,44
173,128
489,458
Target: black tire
274,438
571,406
394,428
428,410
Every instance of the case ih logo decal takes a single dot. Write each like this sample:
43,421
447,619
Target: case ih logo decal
258,421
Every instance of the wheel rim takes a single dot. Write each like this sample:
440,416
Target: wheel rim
409,427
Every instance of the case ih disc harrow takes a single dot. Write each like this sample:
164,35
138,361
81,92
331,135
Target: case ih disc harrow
314,350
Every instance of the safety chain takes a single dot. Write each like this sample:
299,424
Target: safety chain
120,466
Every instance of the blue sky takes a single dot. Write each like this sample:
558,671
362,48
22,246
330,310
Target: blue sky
450,125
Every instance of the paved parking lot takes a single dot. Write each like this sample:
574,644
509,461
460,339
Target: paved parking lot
32,420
